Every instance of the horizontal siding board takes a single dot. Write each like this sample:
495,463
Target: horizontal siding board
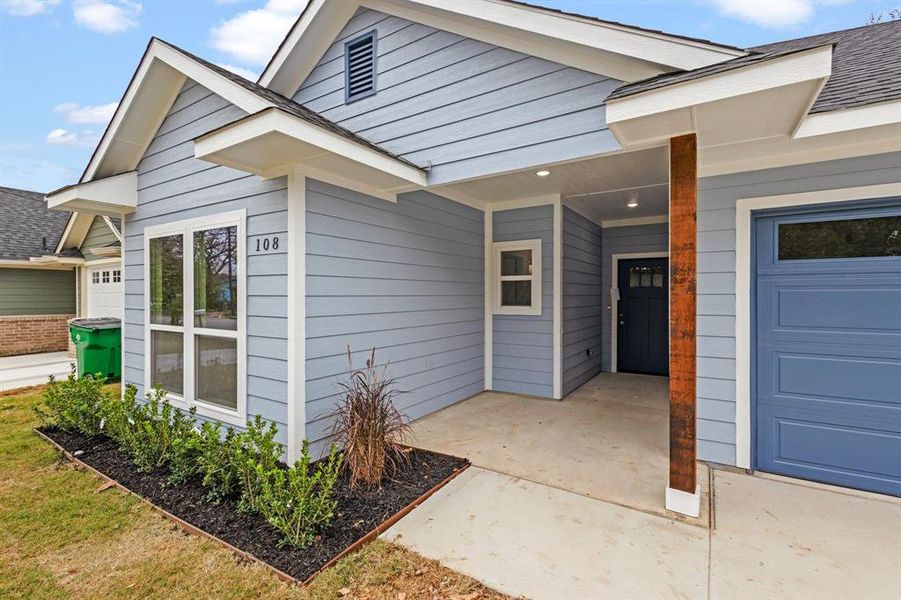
174,186
512,334
453,102
406,279
582,300
36,292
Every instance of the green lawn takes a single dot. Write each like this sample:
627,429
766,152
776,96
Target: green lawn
62,538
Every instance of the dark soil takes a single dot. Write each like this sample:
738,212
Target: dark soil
360,510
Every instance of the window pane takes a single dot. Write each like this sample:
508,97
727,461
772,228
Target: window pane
216,368
516,293
216,278
850,238
166,282
106,277
516,262
658,276
167,361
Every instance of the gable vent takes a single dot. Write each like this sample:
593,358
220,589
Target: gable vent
359,67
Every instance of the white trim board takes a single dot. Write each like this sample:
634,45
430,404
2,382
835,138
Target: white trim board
614,296
558,298
296,363
489,306
744,210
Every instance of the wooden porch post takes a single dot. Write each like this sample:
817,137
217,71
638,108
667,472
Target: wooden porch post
683,257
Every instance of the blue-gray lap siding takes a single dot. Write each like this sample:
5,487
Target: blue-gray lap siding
99,236
523,360
466,107
404,278
173,186
625,240
717,197
583,299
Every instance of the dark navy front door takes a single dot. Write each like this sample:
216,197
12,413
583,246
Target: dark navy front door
827,382
642,336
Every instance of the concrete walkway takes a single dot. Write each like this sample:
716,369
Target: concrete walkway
32,369
770,539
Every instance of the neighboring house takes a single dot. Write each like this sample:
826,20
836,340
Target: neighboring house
503,197
97,240
36,299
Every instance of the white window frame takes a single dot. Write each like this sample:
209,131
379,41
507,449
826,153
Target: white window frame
187,228
535,247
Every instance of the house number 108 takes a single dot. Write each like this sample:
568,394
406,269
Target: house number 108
267,243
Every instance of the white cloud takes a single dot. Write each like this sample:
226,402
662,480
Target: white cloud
252,36
64,137
772,13
245,73
107,16
27,8
75,113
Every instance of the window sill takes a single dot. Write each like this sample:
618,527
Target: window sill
210,411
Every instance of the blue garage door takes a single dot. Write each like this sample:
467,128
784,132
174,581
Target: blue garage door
828,345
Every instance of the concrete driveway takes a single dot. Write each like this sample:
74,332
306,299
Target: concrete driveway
32,369
769,539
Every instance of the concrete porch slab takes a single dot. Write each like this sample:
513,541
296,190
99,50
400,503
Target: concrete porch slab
776,539
540,542
607,440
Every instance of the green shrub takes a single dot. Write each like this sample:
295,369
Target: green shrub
216,460
255,449
298,501
118,415
73,405
183,460
156,425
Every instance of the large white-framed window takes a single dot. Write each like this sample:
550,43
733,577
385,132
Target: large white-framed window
517,277
195,324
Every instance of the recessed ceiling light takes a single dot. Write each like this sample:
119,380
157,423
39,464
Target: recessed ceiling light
632,203
542,173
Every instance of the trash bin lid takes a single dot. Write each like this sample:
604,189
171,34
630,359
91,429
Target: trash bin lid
97,323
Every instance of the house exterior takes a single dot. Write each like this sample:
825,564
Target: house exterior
36,299
499,196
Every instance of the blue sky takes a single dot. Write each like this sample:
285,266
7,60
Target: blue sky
65,63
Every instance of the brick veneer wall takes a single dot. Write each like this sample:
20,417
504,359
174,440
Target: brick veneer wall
30,334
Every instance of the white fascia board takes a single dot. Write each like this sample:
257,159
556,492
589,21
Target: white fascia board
191,69
8,263
49,259
109,196
787,70
849,119
278,121
675,52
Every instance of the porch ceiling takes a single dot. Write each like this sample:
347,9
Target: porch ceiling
597,187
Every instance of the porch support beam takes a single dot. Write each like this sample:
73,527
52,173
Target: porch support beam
683,493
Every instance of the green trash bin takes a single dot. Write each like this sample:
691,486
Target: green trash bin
98,346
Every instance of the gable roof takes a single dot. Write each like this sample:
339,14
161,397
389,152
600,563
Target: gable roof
866,67
608,48
25,222
162,71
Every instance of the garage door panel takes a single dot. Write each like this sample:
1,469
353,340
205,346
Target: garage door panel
859,455
828,358
860,378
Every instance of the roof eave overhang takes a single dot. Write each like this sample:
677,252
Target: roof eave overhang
272,142
619,52
795,80
50,260
9,263
111,196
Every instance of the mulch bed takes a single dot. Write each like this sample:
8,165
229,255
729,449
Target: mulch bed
360,510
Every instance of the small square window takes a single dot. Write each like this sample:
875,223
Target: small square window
95,277
106,277
517,266
117,276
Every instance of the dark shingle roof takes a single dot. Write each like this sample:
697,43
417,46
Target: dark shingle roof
866,66
290,106
25,223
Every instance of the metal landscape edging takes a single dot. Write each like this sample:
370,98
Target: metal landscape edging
194,530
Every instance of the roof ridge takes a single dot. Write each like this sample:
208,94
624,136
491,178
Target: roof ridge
895,22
